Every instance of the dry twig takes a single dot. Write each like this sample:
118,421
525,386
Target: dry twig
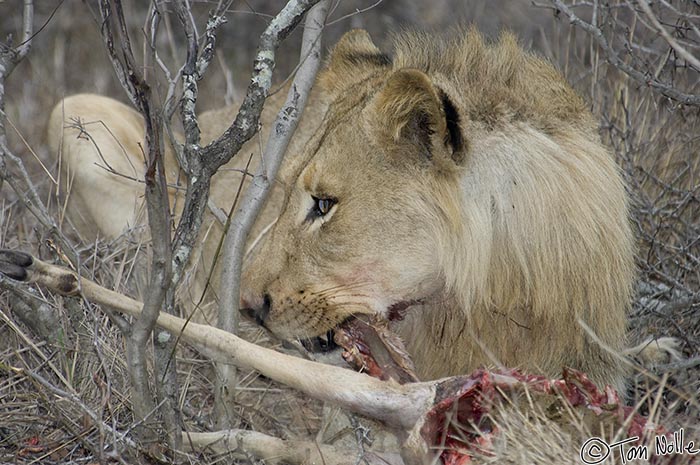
615,56
235,241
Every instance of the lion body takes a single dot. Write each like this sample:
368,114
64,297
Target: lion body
99,144
459,188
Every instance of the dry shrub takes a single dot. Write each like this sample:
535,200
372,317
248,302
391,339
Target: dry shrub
78,351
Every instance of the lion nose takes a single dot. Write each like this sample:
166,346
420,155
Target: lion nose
261,313
254,312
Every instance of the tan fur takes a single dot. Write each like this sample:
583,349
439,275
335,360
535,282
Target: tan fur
508,225
98,142
469,180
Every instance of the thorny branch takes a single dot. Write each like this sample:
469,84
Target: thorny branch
681,51
614,55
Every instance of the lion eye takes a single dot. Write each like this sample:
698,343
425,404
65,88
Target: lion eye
321,207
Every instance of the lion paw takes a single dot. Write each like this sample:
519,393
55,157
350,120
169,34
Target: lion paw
14,264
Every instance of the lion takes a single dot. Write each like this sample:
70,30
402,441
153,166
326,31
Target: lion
460,190
98,142
457,188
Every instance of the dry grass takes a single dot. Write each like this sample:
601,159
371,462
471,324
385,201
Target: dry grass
63,382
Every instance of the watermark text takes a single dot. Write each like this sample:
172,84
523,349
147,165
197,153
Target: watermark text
595,450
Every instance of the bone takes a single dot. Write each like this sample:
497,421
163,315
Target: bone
274,450
398,406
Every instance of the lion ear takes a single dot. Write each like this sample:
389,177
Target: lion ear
410,113
352,59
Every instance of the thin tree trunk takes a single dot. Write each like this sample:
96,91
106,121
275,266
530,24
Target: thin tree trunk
254,198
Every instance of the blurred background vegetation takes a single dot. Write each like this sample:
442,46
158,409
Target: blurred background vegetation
655,139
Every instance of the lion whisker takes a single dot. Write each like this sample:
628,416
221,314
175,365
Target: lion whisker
346,287
351,294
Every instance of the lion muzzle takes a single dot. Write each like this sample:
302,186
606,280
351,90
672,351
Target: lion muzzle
257,313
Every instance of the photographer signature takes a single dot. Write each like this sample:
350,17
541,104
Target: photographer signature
595,450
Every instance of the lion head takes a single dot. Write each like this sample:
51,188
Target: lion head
357,233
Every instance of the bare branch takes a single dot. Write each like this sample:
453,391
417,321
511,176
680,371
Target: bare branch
158,208
120,68
200,163
20,181
9,55
246,123
75,400
399,406
254,197
682,52
206,161
614,58
27,30
190,77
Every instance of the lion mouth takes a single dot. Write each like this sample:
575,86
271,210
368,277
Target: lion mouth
336,338
329,341
321,344
366,342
